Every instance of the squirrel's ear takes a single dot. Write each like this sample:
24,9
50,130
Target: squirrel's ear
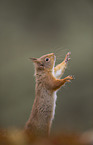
33,59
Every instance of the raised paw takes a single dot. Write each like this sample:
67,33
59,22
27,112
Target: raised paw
68,78
67,58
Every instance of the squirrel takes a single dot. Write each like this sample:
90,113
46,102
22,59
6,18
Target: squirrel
48,82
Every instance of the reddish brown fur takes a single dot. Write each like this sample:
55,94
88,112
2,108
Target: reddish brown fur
46,84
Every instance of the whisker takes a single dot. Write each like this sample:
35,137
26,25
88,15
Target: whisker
65,50
57,49
61,54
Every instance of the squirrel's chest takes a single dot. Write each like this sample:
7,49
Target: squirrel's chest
54,98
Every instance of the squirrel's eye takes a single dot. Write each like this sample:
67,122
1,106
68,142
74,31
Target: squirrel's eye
47,59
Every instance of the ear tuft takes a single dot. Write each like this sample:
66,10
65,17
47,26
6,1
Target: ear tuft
33,59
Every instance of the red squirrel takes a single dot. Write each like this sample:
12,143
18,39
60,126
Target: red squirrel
47,84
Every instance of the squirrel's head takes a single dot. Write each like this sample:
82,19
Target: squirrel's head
46,62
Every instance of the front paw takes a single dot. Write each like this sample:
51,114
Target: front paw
68,78
67,58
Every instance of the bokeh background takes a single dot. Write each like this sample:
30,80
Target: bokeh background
32,28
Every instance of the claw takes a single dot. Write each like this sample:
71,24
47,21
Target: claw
69,78
69,53
69,81
73,77
67,57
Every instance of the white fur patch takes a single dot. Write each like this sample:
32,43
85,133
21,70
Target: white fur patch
54,104
58,73
54,99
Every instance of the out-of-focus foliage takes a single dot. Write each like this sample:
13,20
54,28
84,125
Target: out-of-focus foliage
19,137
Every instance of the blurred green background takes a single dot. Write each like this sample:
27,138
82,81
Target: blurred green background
32,28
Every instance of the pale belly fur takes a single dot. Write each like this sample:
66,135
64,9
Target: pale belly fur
54,104
54,96
57,74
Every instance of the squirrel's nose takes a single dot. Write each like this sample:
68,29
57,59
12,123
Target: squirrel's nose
51,54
